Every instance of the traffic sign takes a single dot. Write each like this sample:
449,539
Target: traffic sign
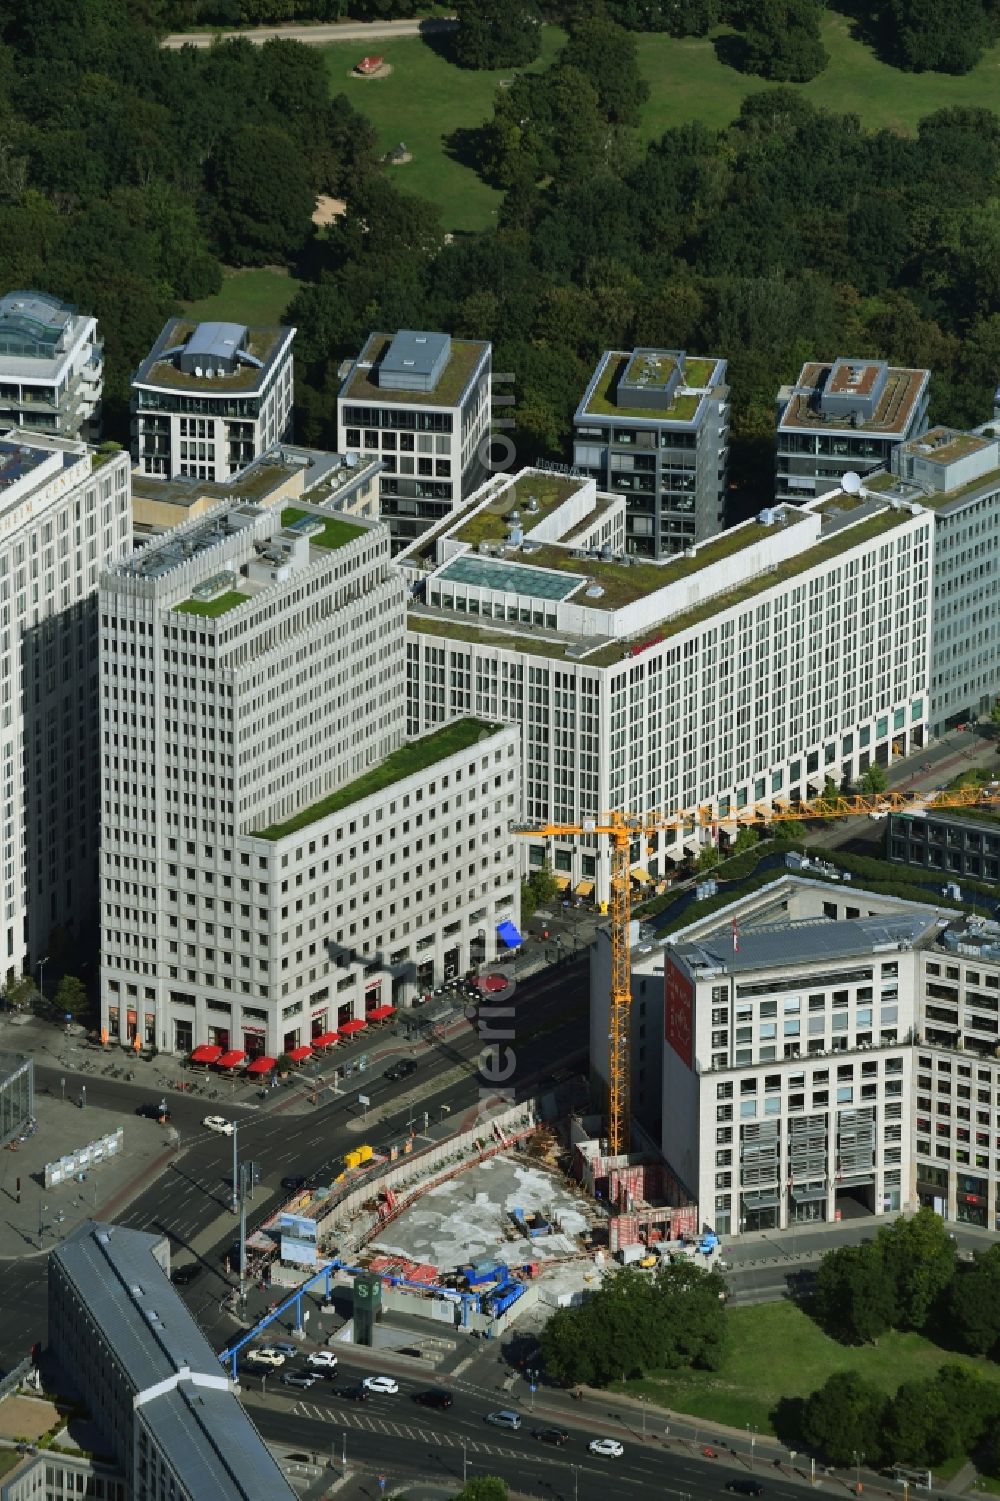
381,1483
363,1099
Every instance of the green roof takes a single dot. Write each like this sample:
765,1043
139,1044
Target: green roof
335,533
464,630
213,607
464,357
490,525
415,756
602,399
261,343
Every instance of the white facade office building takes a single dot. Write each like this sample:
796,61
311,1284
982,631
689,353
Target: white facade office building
209,398
51,367
277,860
786,650
62,519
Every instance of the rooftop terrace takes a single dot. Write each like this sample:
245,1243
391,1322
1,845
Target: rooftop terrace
490,525
413,757
334,532
602,401
155,370
465,356
892,415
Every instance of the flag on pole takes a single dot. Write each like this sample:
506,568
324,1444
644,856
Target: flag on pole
736,938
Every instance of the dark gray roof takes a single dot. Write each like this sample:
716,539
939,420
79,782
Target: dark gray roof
212,1445
807,942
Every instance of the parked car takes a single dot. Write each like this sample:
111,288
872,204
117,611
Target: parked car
183,1276
151,1112
434,1397
609,1447
266,1356
401,1070
293,1181
558,1436
304,1379
388,1385
325,1359
218,1123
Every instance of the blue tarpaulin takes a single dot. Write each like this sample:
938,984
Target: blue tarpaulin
509,934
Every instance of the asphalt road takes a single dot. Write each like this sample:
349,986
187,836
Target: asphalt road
316,36
195,1190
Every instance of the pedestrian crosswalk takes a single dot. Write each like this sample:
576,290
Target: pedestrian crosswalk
342,1418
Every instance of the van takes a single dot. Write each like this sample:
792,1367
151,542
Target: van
504,1419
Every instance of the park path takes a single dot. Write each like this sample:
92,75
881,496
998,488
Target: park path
316,36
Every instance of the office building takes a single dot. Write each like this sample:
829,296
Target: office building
788,649
420,402
828,1051
955,841
51,367
844,416
284,860
17,1094
654,425
209,398
63,516
956,477
152,1383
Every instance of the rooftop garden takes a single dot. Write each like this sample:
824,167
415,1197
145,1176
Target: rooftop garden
465,356
261,343
414,757
490,524
698,372
335,532
518,638
602,401
211,608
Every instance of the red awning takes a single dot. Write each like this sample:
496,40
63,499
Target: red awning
325,1040
231,1059
380,1013
297,1055
261,1065
207,1053
492,983
347,1029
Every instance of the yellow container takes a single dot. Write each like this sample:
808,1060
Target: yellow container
364,1152
352,1159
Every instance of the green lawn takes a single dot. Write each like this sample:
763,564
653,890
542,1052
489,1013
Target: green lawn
425,99
256,297
212,608
335,532
777,1351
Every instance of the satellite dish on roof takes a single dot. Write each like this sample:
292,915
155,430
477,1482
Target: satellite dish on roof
851,483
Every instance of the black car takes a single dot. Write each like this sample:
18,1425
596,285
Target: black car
355,1393
552,1435
293,1182
434,1398
401,1070
304,1379
745,1487
183,1276
153,1112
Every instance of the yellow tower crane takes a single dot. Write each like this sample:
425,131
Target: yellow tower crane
621,829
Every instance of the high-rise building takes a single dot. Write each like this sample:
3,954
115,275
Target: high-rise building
654,425
63,516
844,416
421,403
152,1384
277,858
209,398
51,367
786,650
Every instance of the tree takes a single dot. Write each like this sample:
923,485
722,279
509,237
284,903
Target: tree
874,779
781,40
974,1303
919,1256
483,1488
607,55
845,1416
923,36
708,857
855,1296
71,997
262,197
496,33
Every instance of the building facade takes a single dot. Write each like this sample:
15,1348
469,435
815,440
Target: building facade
845,416
286,861
63,517
420,402
653,425
17,1094
152,1383
209,398
51,367
788,649
955,843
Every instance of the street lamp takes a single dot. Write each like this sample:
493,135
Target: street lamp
753,1440
576,1482
41,975
859,1460
532,1382
642,1409
465,1464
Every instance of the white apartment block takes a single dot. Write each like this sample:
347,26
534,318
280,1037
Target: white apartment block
209,398
420,402
63,517
51,367
826,1050
284,861
786,650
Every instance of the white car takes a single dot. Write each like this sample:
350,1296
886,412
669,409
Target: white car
610,1447
385,1384
325,1359
218,1123
266,1356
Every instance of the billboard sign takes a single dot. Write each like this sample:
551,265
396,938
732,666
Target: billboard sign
679,1012
298,1239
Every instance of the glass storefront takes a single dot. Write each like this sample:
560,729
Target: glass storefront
17,1095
